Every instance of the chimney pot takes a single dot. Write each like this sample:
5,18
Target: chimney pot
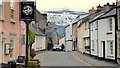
108,4
113,3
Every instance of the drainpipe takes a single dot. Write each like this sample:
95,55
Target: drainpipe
97,41
116,28
90,38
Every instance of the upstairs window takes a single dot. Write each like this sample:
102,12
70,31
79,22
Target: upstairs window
12,5
110,24
1,9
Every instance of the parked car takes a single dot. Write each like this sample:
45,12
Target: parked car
57,48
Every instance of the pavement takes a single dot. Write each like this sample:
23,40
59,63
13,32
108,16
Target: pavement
74,58
93,61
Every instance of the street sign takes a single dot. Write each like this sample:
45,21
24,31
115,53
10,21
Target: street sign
27,11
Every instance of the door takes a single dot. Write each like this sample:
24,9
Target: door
103,49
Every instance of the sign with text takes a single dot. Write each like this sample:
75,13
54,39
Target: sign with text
27,10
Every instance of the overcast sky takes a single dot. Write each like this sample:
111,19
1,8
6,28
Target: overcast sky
79,5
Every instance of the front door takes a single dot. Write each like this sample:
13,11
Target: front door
103,43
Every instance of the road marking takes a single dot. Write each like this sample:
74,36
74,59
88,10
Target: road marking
80,59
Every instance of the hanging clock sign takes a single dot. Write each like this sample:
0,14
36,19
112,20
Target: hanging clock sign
27,11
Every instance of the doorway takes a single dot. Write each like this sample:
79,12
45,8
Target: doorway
103,44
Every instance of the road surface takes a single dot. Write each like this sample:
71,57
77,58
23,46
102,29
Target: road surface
57,58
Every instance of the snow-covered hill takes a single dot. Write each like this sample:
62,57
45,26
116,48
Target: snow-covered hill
61,18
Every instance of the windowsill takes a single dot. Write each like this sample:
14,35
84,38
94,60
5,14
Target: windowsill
111,56
1,19
110,32
12,21
96,29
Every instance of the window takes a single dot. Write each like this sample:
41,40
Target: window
12,45
110,24
12,10
110,47
96,25
91,26
1,9
11,48
12,14
92,43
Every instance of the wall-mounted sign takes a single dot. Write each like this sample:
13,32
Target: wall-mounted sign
27,10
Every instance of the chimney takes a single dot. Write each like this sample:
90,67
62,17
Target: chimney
107,7
91,11
99,8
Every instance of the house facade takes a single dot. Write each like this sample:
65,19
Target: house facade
68,38
9,31
83,35
39,27
74,36
103,34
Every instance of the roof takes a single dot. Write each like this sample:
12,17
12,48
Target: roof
89,17
110,13
37,31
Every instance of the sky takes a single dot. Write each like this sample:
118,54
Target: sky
76,5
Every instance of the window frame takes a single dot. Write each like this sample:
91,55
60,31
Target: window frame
2,10
12,9
110,25
110,49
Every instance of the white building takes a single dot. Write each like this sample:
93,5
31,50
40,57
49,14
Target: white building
103,35
68,38
39,27
94,35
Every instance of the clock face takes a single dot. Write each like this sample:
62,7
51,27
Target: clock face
27,10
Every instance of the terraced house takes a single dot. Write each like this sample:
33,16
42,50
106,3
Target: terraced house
10,31
103,34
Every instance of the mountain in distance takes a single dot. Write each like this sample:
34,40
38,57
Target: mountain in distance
61,11
61,18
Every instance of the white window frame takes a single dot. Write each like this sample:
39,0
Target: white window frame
12,47
96,25
93,43
109,48
1,12
12,9
110,25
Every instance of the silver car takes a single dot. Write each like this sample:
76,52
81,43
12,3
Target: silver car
57,48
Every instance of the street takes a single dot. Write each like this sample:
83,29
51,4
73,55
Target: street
57,58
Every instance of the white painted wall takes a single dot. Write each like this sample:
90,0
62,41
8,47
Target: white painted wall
68,38
40,43
93,37
102,36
